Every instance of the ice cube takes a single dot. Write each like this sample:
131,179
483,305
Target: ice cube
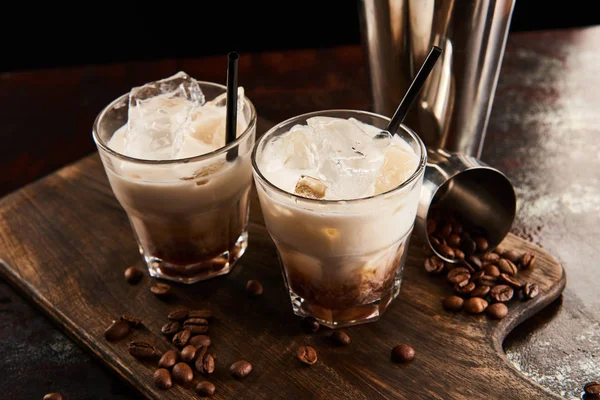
349,158
298,149
310,187
399,164
159,112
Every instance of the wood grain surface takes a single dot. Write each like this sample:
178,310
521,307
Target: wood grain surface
65,242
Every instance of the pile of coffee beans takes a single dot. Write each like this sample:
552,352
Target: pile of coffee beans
483,279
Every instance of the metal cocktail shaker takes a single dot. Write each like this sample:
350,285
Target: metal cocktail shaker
453,108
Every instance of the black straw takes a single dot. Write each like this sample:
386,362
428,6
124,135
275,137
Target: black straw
413,90
232,100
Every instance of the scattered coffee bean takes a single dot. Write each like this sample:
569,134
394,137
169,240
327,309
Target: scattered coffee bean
499,250
117,330
201,313
458,275
487,280
446,230
434,265
475,262
132,321
341,338
169,359
475,277
205,363
592,389
475,305
199,340
507,267
170,328
133,275
307,355
53,396
512,255
468,266
480,291
142,349
403,353
458,254
497,310
161,290
240,369
254,288
453,303
434,241
188,353
309,325
509,280
465,290
501,293
527,261
162,379
491,270
489,258
431,226
178,315
446,251
196,325
530,291
482,244
468,245
182,337
205,388
454,240
182,373
457,228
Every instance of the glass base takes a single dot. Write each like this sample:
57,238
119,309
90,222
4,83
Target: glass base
339,318
201,270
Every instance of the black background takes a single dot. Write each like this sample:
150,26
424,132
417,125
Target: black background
35,36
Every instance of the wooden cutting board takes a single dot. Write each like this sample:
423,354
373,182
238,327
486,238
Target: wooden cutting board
65,242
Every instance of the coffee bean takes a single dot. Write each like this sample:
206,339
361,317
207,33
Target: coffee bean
205,388
475,277
457,228
491,270
435,241
205,363
307,355
458,275
499,250
468,246
465,289
132,321
480,291
170,328
133,275
161,290
181,338
168,359
468,266
509,280
507,267
309,325
196,325
530,291
199,340
182,373
489,258
482,244
446,251
453,303
142,349
458,254
431,226
512,255
592,389
454,240
475,262
117,330
475,305
178,315
162,379
487,280
434,265
240,369
403,353
527,261
446,230
188,353
501,293
53,396
201,313
340,338
497,310
254,288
